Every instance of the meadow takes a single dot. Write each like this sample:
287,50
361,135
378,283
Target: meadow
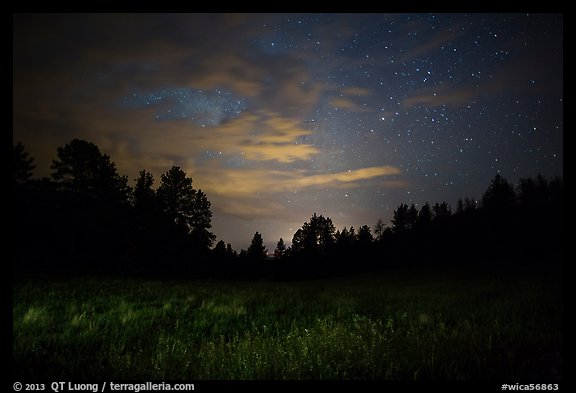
403,325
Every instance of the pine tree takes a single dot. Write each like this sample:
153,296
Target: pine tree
201,222
177,197
441,211
257,251
280,250
22,164
85,173
143,196
364,237
400,220
220,250
424,216
499,196
315,235
379,229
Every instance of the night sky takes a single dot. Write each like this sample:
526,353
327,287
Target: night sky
278,116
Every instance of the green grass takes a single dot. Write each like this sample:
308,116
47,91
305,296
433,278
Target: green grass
402,326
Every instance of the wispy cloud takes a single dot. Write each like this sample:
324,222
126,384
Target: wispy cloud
356,91
346,104
244,192
344,178
349,99
444,95
431,45
246,182
526,74
259,136
268,136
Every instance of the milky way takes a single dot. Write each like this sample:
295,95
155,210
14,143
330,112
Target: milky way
279,116
206,108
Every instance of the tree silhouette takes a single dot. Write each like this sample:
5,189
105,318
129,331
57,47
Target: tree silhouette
539,192
556,191
469,204
22,164
176,197
460,206
280,250
326,230
298,241
257,251
412,217
315,235
345,239
29,216
243,255
220,250
92,204
400,220
188,212
201,222
379,230
352,234
499,196
442,212
424,217
147,236
143,196
86,173
364,237
230,253
88,213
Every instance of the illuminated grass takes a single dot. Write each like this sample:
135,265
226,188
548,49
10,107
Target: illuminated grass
381,327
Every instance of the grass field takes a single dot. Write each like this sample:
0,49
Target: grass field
399,326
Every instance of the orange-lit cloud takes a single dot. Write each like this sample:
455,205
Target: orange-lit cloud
345,178
269,134
356,91
245,192
346,104
260,136
348,99
244,182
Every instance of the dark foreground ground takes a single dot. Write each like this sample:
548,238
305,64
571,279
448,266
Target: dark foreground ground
420,324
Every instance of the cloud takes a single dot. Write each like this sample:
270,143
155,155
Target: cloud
356,91
434,43
260,136
252,193
444,95
346,104
246,182
348,99
534,69
98,54
70,91
67,84
527,74
344,178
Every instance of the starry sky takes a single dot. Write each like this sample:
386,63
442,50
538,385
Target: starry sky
278,116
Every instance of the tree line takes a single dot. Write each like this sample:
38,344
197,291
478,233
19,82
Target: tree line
509,226
86,218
